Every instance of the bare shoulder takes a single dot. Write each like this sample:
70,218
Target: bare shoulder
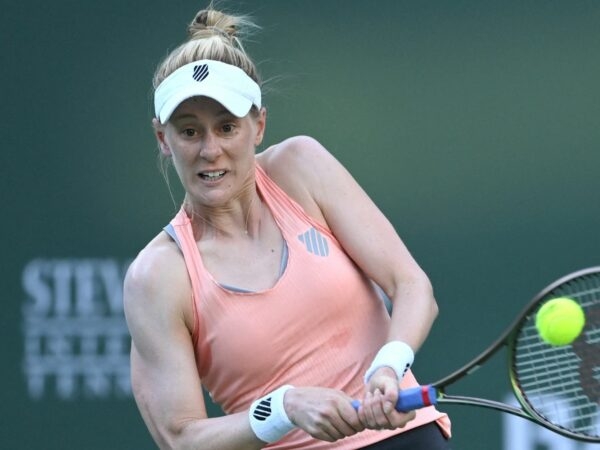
156,284
299,165
302,153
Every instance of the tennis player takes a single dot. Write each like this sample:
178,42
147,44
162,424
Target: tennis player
262,287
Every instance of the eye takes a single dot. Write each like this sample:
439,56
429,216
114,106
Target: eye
189,132
228,127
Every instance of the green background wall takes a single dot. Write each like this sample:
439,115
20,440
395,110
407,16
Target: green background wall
473,124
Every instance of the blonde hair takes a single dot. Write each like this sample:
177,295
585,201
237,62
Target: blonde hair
213,35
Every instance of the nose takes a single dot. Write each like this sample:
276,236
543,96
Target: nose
209,147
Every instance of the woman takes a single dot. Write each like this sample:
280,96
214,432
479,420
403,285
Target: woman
260,289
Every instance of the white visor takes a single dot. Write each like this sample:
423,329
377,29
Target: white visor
227,84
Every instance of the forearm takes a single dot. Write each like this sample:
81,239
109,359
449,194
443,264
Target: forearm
413,313
231,432
267,421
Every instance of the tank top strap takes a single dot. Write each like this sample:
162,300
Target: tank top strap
181,231
289,215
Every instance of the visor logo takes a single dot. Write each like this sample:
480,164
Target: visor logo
200,72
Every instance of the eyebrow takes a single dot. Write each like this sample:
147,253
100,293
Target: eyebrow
221,113
183,116
225,112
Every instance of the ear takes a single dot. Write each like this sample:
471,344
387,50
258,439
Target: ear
261,123
159,132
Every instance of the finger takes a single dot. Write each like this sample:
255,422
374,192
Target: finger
390,397
322,435
322,429
342,427
336,424
378,410
373,411
351,417
332,430
367,412
388,386
399,420
408,417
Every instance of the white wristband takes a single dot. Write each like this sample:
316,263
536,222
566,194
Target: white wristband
268,418
397,355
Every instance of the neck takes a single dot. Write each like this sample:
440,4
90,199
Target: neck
242,218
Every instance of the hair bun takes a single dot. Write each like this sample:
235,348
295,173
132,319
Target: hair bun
201,18
212,35
209,22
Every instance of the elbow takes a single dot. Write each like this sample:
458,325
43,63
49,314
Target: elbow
166,435
434,309
422,291
429,296
181,434
171,438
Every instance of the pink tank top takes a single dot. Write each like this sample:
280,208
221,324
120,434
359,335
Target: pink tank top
319,325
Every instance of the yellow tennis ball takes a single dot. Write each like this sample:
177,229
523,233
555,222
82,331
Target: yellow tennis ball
559,321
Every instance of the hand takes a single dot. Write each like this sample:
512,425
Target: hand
377,410
325,414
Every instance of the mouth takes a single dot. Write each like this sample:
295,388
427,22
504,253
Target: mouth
212,176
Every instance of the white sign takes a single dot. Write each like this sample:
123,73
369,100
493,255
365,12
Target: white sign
76,341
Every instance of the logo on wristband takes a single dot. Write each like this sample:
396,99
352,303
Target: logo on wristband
263,409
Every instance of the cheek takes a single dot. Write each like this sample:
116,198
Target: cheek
180,153
248,155
177,167
181,161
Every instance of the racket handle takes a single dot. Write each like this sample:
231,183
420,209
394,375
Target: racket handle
413,398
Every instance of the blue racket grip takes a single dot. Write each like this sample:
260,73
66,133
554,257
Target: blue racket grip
413,398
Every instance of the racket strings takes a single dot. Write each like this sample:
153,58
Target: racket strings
561,385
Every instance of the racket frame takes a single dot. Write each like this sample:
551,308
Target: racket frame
507,339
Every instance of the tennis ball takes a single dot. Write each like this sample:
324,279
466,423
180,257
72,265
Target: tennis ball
559,321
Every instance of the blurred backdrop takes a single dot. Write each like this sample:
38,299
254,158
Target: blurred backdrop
474,125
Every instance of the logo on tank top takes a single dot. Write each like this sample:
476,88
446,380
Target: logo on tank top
314,242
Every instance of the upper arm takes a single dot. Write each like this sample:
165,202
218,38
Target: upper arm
329,193
164,377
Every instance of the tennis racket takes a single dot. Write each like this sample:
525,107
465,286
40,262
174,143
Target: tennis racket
556,387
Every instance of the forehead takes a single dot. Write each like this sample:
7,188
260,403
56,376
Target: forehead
200,105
